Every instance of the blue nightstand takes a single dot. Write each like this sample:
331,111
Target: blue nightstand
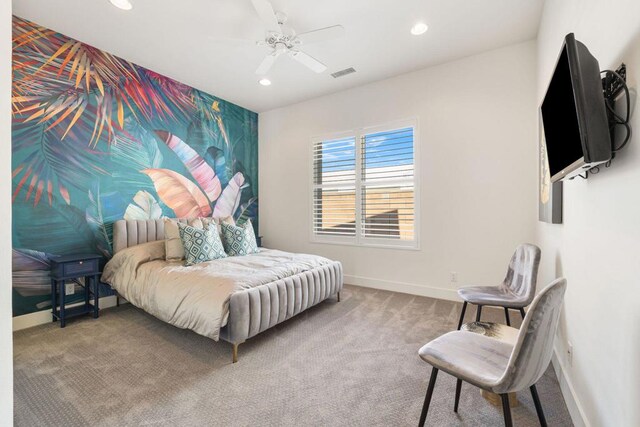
68,269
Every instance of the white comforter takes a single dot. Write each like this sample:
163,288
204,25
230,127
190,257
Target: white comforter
196,297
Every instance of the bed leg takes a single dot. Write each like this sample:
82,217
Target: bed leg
235,352
338,296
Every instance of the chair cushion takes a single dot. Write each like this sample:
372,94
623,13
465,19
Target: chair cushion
491,295
472,357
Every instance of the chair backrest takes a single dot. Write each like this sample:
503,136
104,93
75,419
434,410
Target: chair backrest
523,272
532,353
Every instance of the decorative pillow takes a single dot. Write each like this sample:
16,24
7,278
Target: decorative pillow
239,240
173,244
200,245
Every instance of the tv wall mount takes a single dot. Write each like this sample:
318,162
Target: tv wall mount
614,83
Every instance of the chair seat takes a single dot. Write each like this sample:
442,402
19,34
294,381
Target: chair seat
491,295
472,357
496,331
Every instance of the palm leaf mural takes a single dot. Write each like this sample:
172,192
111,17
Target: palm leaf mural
31,272
102,211
144,207
199,169
86,153
69,76
180,194
47,166
229,201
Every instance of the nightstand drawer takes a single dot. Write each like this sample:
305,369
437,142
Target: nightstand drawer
78,268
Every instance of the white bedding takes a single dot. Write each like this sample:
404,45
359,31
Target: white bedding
196,297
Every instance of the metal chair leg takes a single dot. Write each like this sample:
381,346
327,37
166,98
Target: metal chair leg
338,296
464,308
478,313
506,315
536,401
458,388
522,313
427,398
506,410
235,352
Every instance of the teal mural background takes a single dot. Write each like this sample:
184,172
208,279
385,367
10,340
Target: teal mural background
97,138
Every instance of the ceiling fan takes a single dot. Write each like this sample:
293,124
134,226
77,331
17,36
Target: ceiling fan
284,40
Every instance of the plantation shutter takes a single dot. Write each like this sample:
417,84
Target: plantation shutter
334,187
387,185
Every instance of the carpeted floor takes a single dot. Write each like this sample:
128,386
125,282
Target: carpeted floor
350,363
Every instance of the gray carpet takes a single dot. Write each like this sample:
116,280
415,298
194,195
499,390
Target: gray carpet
349,363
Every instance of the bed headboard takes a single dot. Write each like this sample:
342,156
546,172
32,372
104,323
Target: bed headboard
131,232
127,233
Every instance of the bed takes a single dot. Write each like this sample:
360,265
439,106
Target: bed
232,299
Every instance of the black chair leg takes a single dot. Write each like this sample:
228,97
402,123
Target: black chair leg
536,401
522,313
506,315
427,398
464,308
458,387
506,410
478,313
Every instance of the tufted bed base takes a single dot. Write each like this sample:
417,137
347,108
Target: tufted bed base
253,310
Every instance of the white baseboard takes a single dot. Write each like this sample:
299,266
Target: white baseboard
574,406
402,287
42,317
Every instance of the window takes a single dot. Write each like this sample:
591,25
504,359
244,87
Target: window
364,187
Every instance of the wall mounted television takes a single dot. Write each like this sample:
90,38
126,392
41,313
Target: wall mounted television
574,116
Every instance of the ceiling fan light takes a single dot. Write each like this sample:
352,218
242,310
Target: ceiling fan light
265,82
122,4
419,28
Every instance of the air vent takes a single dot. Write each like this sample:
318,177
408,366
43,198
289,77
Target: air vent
343,72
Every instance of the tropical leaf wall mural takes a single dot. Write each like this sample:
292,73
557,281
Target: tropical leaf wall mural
97,138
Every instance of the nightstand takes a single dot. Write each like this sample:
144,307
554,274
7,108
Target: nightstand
69,269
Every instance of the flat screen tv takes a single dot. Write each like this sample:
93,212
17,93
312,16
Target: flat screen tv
574,116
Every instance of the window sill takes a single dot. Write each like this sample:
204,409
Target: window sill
409,247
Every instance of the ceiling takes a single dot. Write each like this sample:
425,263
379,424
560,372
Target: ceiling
203,43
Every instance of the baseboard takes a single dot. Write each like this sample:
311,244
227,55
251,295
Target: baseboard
42,317
576,411
402,287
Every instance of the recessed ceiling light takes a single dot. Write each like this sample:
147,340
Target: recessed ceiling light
122,4
419,28
265,82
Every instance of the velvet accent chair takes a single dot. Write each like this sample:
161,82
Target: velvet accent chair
516,290
496,365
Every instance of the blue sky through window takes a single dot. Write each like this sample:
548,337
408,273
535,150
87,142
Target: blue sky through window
382,149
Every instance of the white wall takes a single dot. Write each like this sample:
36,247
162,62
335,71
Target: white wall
477,162
598,247
6,338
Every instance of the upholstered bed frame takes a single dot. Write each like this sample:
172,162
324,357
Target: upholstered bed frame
253,310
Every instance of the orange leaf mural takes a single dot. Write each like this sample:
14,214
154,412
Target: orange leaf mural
180,194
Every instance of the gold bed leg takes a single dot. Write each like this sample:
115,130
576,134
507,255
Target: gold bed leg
338,296
235,352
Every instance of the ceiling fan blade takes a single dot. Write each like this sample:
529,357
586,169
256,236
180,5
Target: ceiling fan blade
328,33
267,15
267,63
307,60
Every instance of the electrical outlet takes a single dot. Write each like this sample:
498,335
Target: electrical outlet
454,277
569,353
69,288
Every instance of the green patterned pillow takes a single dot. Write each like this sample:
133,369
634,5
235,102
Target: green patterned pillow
201,245
239,240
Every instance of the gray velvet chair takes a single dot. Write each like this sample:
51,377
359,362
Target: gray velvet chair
496,365
516,290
